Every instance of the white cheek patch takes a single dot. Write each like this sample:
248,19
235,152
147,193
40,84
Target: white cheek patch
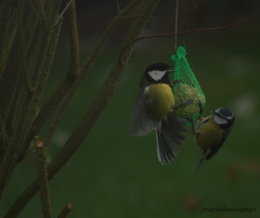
219,120
230,117
157,74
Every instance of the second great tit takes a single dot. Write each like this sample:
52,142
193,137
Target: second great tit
152,111
212,131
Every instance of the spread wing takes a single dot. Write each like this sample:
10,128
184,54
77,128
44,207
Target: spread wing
170,134
141,122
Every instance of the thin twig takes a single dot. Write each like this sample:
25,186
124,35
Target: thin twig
41,153
34,8
42,10
91,59
24,64
60,16
65,210
118,6
74,41
193,8
206,29
6,51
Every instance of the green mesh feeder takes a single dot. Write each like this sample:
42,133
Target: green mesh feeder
187,88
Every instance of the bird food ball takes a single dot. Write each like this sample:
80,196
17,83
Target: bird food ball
183,93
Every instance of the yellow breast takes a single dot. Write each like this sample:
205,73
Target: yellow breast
209,135
161,100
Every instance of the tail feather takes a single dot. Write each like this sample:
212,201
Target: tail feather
201,161
164,151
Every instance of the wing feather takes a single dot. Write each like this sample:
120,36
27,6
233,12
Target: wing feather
141,122
170,134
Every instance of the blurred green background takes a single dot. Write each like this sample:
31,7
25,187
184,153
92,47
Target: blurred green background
115,175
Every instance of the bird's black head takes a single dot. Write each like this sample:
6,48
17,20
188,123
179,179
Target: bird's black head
158,73
223,117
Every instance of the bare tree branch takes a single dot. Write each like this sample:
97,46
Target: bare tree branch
92,114
27,68
41,153
65,211
65,91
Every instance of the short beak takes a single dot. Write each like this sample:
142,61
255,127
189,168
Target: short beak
170,71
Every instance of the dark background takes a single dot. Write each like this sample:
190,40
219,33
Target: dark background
115,175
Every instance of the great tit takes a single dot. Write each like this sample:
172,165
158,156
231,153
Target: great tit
212,131
152,111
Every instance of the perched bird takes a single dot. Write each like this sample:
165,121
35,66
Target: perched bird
152,111
212,131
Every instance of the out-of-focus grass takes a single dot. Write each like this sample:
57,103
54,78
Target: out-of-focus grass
115,175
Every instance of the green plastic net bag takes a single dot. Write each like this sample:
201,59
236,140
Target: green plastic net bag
187,88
